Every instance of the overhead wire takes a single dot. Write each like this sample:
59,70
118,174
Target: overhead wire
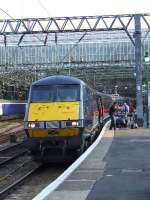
11,17
76,44
6,13
44,8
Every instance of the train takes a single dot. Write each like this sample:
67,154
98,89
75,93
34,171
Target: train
63,115
12,109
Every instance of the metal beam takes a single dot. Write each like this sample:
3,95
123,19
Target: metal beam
21,38
67,24
138,66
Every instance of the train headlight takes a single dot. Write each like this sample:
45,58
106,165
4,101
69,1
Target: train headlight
75,123
32,125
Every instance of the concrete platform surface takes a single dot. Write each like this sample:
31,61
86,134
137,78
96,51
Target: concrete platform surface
117,169
127,171
79,184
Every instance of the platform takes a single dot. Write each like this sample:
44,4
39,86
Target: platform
117,169
127,171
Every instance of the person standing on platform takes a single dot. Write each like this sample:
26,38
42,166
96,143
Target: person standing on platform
112,112
125,110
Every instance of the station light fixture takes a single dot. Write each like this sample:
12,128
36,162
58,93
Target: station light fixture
146,57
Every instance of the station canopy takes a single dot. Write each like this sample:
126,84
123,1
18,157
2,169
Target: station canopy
97,49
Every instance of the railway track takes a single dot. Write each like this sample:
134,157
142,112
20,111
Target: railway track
15,177
10,131
10,127
10,136
37,181
11,153
10,118
19,172
15,166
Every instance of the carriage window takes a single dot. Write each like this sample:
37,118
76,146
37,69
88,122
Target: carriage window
55,93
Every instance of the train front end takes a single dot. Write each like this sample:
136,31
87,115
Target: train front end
53,121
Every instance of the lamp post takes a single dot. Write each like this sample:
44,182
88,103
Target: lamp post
147,59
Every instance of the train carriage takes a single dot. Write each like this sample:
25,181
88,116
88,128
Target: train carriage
63,115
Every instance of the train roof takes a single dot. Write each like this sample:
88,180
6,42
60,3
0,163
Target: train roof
58,80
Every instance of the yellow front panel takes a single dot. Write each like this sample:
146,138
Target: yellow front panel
59,132
53,111
38,133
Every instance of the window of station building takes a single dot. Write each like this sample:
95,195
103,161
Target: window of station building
57,93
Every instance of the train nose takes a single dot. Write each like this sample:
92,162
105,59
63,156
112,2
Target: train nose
54,111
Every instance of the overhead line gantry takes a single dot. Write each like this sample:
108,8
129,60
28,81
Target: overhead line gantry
56,25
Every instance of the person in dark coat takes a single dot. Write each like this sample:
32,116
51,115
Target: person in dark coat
112,112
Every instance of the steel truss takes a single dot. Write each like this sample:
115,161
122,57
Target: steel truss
44,30
56,25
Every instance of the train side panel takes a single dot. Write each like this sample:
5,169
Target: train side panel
12,108
91,110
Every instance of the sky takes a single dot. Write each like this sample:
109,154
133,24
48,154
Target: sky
62,8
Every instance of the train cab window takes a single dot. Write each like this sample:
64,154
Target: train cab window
55,93
42,94
68,93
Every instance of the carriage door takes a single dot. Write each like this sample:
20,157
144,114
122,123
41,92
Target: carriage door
100,109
